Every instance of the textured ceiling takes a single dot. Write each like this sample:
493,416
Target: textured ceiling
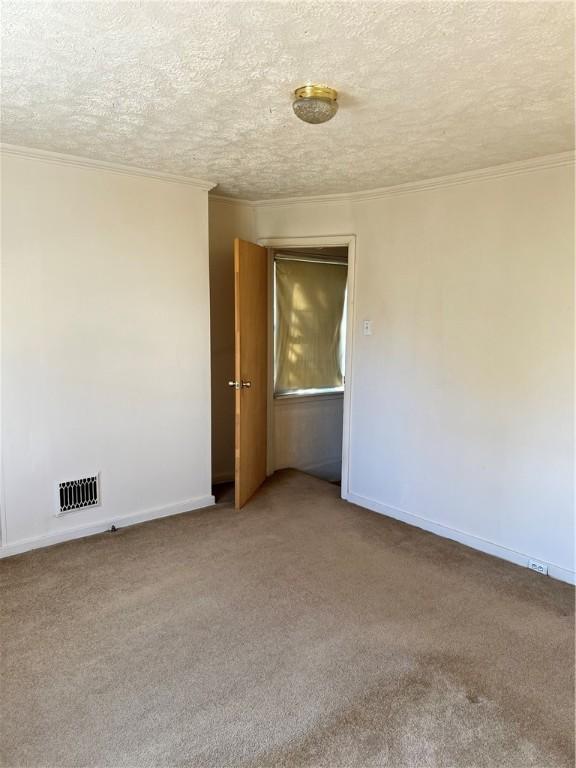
204,88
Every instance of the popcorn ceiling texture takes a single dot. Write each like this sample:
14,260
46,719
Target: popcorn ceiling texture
205,88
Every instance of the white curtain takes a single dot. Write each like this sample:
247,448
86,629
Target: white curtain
310,298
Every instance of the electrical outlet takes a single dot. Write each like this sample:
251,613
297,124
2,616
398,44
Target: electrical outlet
367,327
534,565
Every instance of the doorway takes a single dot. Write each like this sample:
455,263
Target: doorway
329,407
307,359
333,410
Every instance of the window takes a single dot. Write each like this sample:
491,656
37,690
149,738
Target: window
309,325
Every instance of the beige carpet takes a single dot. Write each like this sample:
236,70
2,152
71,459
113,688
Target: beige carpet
302,631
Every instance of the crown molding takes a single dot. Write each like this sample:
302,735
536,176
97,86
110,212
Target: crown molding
12,150
483,174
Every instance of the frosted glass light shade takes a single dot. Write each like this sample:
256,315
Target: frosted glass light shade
315,103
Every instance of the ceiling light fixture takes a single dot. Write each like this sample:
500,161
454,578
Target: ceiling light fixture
315,103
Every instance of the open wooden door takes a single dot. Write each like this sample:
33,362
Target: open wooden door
251,367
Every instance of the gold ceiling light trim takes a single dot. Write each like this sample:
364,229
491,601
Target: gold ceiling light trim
315,103
316,92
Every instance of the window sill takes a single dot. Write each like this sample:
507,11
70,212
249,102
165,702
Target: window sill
321,394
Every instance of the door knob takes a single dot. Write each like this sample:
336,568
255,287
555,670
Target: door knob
240,384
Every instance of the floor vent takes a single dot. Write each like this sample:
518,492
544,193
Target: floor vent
77,494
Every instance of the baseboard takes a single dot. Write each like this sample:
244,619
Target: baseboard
330,469
470,540
334,463
120,521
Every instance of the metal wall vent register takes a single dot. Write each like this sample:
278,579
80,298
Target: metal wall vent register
77,494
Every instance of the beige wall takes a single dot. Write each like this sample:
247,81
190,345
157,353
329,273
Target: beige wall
462,399
227,221
307,434
106,361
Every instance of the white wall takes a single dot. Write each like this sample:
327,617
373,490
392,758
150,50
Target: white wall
307,434
462,399
106,361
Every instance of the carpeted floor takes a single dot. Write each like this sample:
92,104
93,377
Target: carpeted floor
301,631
